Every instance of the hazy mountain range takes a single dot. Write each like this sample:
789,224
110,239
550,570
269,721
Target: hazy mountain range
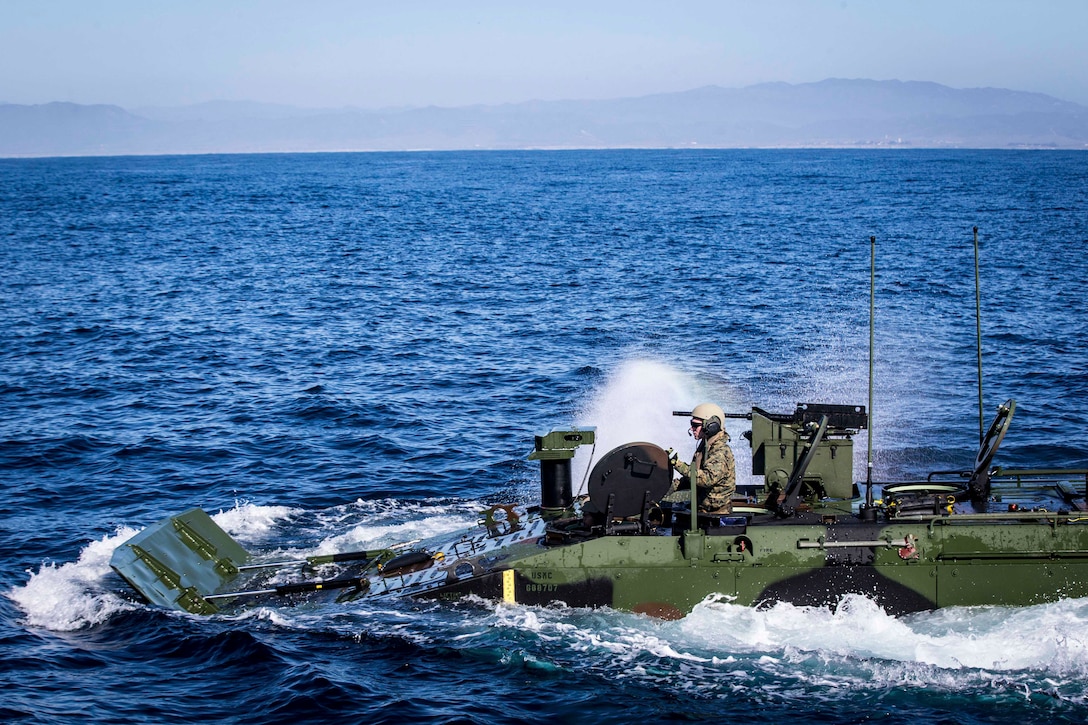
831,113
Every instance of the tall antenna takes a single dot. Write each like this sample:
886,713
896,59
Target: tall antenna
868,511
978,341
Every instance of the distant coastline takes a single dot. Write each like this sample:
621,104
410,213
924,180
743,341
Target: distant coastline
834,113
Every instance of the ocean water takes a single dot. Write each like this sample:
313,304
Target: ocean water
339,351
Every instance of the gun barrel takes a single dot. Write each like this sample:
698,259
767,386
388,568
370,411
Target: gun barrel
741,416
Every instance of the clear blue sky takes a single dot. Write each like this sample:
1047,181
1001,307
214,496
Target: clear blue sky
382,53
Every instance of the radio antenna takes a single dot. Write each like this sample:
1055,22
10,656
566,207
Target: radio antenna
869,512
978,341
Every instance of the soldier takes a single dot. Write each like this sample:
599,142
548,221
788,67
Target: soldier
716,471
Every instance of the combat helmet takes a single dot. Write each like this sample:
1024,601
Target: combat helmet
708,412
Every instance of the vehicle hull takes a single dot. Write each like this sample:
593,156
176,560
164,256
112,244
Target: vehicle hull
904,567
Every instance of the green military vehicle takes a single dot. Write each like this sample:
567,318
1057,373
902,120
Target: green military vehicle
808,535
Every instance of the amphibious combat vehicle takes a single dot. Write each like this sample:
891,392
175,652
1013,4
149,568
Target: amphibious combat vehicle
808,535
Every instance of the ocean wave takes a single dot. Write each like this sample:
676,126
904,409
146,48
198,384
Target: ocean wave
73,595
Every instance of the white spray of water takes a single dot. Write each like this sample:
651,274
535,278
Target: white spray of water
636,404
249,523
1052,636
785,651
388,522
857,645
371,536
70,596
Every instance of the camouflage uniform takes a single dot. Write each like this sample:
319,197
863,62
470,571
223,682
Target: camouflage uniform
716,480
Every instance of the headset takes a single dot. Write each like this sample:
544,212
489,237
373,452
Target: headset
712,426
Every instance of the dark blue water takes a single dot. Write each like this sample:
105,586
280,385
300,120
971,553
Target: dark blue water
349,350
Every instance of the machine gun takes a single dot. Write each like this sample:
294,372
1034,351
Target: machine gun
806,455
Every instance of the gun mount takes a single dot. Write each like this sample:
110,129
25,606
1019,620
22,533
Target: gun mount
555,451
807,455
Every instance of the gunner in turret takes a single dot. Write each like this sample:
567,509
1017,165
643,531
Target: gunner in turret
715,469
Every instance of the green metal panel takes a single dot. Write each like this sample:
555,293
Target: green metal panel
176,562
1011,562
671,593
1025,582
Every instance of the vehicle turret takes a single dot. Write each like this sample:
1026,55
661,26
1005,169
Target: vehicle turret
807,455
